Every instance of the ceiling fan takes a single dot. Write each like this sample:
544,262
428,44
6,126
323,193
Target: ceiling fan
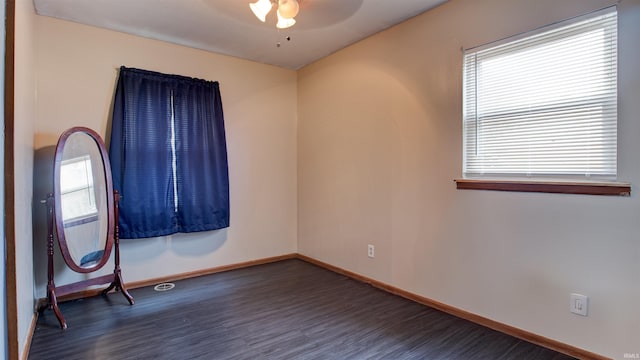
286,11
309,14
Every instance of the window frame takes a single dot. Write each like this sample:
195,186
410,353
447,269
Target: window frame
551,183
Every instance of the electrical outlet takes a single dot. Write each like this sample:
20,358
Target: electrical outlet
579,304
371,251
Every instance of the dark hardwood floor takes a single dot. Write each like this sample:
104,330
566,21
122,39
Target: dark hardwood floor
284,310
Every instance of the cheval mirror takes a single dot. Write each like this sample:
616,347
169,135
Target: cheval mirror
84,209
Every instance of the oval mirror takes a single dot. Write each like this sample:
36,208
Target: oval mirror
83,200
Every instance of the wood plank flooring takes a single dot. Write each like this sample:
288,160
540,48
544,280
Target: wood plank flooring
285,310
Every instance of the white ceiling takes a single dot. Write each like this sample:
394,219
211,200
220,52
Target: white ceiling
229,27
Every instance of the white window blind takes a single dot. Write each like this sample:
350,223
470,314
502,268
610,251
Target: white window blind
544,104
77,189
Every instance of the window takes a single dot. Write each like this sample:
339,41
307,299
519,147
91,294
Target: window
544,105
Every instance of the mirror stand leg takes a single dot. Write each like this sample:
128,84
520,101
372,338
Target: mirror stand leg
118,285
122,288
53,304
51,287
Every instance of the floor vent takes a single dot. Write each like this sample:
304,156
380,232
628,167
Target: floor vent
164,287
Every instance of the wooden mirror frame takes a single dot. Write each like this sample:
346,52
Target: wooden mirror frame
54,216
106,168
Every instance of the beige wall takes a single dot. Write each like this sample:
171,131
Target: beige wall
77,70
379,144
24,119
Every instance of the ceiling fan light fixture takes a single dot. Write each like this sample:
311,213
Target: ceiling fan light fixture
261,8
288,9
284,23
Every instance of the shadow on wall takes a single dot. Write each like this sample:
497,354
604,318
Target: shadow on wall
198,244
133,251
42,186
186,245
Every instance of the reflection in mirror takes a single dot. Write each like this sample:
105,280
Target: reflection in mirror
77,191
83,200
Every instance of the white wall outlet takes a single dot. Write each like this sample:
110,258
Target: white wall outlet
371,251
579,304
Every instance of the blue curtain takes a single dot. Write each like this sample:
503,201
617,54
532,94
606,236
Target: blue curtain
161,121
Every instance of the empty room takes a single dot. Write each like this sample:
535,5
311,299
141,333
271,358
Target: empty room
321,179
